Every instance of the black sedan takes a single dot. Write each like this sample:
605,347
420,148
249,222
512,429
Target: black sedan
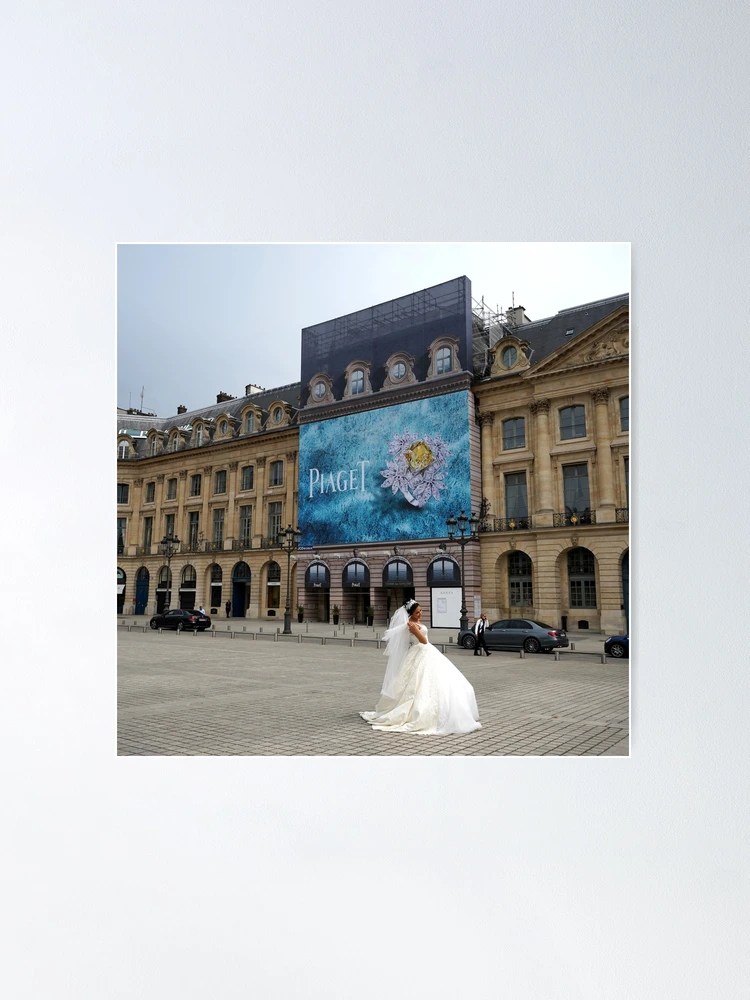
517,633
180,618
617,645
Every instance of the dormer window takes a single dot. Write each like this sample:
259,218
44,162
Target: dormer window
199,435
398,371
444,361
250,423
277,414
175,444
223,427
509,357
320,390
123,449
357,382
152,449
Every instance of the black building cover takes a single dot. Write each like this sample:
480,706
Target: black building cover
410,323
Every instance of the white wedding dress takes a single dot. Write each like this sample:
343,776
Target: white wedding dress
423,692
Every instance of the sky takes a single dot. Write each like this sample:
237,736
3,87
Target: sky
194,320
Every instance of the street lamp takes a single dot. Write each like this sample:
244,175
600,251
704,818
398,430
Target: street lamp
467,528
288,539
170,545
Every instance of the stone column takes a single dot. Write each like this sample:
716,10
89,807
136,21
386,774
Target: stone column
260,486
486,420
544,508
605,510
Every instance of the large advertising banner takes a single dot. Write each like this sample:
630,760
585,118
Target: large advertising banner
383,475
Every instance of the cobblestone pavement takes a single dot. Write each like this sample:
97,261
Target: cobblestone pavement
204,695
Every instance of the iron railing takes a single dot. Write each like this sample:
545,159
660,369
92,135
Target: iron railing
505,524
621,515
575,519
194,546
143,550
242,543
270,542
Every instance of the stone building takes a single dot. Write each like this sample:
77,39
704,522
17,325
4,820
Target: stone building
524,422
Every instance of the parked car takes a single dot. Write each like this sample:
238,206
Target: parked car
617,645
179,619
514,633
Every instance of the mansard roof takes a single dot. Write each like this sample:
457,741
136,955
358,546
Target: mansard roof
547,335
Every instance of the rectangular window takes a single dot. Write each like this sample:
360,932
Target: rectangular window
218,532
625,413
193,528
520,594
122,523
572,422
274,520
150,492
514,433
220,482
195,485
516,500
123,492
276,477
171,489
576,488
169,525
248,477
246,531
250,423
583,593
148,527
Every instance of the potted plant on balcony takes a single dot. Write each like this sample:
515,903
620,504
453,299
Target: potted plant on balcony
335,611
370,612
300,613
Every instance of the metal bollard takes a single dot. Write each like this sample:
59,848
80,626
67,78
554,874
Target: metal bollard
244,628
356,635
323,642
343,628
573,646
335,632
159,631
450,638
522,654
276,637
278,629
604,658
299,637
260,629
377,646
307,626
229,628
351,642
557,654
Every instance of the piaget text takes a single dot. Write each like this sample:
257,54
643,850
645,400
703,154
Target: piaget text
337,482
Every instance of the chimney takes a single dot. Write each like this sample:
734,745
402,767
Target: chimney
223,397
516,316
251,389
182,409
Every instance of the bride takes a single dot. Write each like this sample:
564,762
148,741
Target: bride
422,691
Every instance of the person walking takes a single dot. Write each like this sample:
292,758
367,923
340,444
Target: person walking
481,643
201,610
228,607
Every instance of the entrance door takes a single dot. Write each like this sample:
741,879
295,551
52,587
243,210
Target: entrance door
626,589
141,591
240,598
361,601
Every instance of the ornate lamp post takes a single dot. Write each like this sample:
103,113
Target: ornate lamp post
170,544
467,528
288,539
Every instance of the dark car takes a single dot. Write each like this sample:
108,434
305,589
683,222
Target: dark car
517,633
180,618
617,645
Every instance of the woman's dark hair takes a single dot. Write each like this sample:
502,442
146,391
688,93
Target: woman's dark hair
411,607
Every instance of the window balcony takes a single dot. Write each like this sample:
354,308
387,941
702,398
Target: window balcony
574,519
193,546
120,547
215,546
270,542
621,515
506,524
143,550
241,543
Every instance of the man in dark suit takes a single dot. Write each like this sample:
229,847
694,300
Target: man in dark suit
481,643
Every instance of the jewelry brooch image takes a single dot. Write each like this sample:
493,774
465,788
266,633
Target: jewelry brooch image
417,468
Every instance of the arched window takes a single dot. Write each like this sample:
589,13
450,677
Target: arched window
223,427
357,382
175,442
241,572
250,423
508,357
444,361
165,576
318,576
273,586
199,435
188,576
443,572
582,578
123,449
274,572
152,447
216,574
142,575
356,576
216,577
397,573
519,580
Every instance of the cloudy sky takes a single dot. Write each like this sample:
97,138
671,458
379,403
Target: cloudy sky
195,320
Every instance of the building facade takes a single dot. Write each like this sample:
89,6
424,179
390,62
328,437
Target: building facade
407,413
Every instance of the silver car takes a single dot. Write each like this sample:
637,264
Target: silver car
515,633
